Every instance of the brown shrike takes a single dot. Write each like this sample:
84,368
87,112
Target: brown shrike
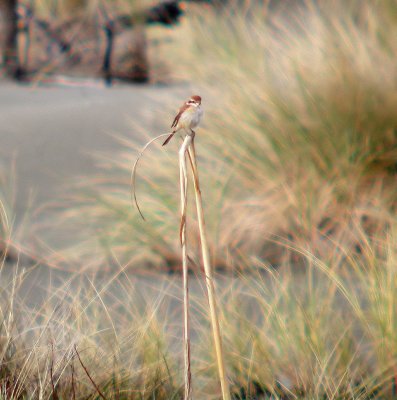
188,117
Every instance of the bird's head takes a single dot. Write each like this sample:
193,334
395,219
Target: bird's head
194,101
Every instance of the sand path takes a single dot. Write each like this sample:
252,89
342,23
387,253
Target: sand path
51,133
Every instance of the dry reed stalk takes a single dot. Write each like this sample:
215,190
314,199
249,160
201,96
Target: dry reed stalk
186,319
183,188
208,276
188,147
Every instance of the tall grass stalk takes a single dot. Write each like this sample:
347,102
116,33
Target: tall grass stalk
186,320
209,280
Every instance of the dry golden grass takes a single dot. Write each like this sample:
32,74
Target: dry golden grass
304,121
328,332
299,140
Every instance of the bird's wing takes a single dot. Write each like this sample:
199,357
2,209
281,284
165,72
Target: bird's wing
178,116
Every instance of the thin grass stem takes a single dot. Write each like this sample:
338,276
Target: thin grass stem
186,319
134,168
209,277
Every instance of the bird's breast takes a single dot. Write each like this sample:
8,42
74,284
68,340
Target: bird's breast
191,117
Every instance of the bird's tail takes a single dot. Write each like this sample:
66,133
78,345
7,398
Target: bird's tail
168,138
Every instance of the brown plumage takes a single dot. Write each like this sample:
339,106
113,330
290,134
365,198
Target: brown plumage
184,107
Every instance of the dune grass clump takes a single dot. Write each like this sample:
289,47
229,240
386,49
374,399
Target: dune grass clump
299,140
304,120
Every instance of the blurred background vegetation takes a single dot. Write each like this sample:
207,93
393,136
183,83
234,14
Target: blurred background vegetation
298,157
299,143
44,37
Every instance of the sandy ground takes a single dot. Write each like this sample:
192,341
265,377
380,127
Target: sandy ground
51,133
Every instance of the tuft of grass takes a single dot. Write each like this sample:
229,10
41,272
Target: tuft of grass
325,332
83,338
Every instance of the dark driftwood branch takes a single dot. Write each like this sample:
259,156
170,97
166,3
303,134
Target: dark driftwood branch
11,59
167,13
106,67
54,35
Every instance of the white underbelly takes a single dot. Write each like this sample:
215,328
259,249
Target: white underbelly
191,120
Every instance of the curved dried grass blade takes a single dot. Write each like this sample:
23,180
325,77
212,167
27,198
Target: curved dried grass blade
133,172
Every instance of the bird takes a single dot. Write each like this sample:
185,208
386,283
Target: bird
188,117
